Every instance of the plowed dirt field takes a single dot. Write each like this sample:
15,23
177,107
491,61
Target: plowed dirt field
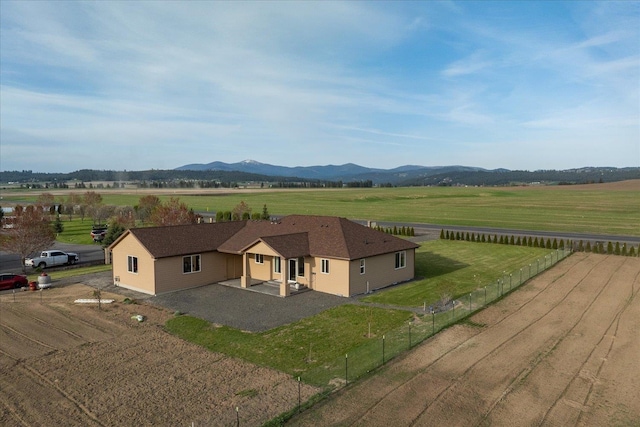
564,350
66,364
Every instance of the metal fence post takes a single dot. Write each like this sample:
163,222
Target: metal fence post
346,369
383,349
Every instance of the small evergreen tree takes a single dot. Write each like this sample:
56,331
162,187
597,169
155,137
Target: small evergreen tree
452,236
609,248
57,225
501,240
457,235
587,248
519,241
581,247
535,243
483,239
447,235
624,250
442,234
561,245
632,251
512,241
548,246
226,216
555,244
219,216
617,249
466,236
265,213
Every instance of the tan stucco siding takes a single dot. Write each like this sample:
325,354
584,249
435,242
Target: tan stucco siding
259,271
262,248
170,276
143,280
335,282
380,271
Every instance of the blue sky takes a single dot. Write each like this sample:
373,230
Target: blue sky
156,85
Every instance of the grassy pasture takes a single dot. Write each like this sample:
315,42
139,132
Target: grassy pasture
601,209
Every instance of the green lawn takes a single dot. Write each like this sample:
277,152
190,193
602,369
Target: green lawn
76,231
457,268
32,275
298,347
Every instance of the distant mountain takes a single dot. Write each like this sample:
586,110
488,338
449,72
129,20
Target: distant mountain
346,173
350,175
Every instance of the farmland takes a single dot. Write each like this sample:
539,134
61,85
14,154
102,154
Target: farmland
75,365
611,208
560,351
491,368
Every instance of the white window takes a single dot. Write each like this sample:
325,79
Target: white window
401,259
362,266
325,266
301,267
277,265
259,259
191,264
132,264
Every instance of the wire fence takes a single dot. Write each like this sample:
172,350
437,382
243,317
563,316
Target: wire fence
377,351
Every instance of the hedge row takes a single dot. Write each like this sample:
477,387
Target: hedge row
541,242
397,231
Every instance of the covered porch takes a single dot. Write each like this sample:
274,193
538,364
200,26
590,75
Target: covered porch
268,287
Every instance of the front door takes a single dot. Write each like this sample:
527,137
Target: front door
293,269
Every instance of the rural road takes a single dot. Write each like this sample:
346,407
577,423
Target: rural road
435,228
89,254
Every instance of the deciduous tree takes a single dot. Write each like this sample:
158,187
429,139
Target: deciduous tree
173,212
146,206
31,233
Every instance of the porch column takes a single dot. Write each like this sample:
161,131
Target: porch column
284,284
245,279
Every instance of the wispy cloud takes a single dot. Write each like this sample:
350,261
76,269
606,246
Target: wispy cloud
215,80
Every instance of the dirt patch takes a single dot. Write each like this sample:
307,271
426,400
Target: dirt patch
563,350
75,365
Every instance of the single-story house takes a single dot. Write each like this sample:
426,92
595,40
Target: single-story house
326,254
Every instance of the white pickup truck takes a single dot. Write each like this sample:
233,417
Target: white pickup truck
51,259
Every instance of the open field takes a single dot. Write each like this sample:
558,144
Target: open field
69,364
563,350
610,208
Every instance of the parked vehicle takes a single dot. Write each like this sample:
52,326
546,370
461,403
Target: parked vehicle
51,259
12,281
98,232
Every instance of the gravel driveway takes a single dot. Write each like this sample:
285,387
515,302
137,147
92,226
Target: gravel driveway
245,310
238,308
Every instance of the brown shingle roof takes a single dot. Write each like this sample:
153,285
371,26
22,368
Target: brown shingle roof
291,236
185,239
330,237
289,245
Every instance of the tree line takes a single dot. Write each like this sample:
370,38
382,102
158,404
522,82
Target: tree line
33,228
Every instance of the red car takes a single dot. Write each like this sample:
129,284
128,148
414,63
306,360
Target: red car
12,281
